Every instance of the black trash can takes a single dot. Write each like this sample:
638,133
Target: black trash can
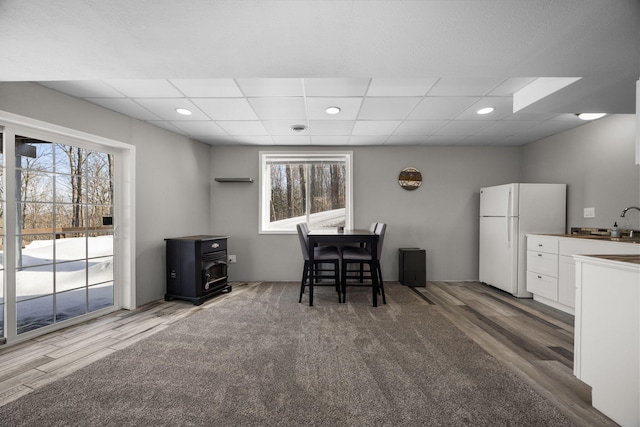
413,267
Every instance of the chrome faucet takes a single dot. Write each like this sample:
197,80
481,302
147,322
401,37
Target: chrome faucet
626,209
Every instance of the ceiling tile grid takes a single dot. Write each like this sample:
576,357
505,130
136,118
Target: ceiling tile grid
373,111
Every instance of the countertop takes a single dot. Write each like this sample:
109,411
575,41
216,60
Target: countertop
626,239
630,259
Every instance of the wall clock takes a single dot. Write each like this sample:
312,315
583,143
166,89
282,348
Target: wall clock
410,178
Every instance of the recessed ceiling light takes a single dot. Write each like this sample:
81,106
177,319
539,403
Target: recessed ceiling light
183,111
332,110
486,110
591,116
298,128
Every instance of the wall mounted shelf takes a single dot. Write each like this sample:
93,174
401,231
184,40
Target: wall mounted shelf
234,179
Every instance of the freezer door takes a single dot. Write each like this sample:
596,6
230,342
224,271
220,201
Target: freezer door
499,253
501,200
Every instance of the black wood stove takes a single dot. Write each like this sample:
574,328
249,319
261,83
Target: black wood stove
196,267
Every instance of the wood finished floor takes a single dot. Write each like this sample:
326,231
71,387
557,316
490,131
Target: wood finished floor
534,341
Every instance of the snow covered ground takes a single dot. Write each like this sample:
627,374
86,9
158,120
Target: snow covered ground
35,280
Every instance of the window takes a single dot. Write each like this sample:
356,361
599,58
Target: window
305,187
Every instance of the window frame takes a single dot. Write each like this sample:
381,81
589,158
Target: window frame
309,156
124,216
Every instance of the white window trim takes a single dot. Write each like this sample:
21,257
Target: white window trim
124,230
263,215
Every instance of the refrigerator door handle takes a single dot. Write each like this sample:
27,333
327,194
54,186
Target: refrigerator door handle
508,219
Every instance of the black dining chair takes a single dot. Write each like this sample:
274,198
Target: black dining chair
322,256
360,257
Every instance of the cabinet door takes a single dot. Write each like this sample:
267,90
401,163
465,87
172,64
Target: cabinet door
567,281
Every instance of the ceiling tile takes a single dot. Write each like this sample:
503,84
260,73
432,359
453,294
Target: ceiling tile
441,108
483,139
283,127
349,108
462,127
445,140
387,108
333,127
271,87
511,86
329,140
254,140
292,140
279,108
469,86
367,140
208,88
504,128
226,108
503,107
199,128
335,87
243,127
152,88
419,127
125,106
166,108
400,87
405,140
84,89
375,127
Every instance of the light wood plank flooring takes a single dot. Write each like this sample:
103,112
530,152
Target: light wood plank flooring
531,339
534,341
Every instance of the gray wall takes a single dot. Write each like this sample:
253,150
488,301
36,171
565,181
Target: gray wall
172,179
441,216
176,194
597,162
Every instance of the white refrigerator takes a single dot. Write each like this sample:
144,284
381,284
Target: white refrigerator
507,213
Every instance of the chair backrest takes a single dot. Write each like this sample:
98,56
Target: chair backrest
305,227
304,240
381,228
373,227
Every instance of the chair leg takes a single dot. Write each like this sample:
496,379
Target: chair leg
381,284
343,281
305,273
336,277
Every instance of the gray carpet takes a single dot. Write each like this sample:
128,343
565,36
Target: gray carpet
258,358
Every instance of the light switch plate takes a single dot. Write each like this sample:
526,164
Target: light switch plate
589,212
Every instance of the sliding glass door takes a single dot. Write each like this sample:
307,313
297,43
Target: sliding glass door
57,256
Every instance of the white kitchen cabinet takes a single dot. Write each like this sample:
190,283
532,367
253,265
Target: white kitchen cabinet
607,334
542,267
551,266
567,281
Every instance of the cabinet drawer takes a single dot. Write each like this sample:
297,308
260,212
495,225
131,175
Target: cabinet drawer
542,285
542,263
541,244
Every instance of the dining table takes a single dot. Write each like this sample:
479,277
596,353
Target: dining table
341,237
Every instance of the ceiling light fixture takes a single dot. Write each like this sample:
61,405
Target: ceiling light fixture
590,116
298,128
183,111
332,110
485,110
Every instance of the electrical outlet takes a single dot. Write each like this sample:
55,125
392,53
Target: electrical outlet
231,259
589,212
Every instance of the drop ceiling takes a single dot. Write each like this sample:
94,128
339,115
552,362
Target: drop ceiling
402,72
